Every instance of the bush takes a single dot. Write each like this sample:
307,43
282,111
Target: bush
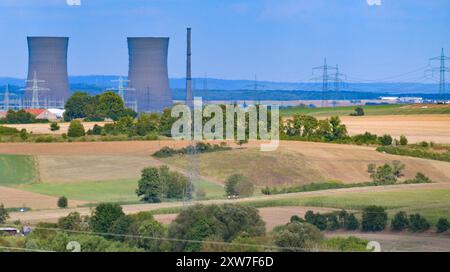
348,244
158,183
104,216
400,221
351,222
403,140
442,225
23,134
297,236
374,218
54,126
62,202
76,129
366,138
8,131
238,185
73,221
420,178
358,112
96,130
385,140
417,223
226,222
3,214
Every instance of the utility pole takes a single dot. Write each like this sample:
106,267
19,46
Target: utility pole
442,70
35,89
189,101
325,79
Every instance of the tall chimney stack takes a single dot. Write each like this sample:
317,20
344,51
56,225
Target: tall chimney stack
188,69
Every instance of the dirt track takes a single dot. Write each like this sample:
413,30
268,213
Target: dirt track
54,215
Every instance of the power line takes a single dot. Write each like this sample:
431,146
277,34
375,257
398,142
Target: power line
325,77
159,238
442,70
35,89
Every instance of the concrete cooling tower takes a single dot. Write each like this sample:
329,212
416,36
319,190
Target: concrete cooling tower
48,64
148,73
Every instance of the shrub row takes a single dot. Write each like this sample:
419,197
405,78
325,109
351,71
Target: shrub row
166,152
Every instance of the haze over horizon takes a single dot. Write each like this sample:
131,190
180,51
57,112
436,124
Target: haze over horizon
276,40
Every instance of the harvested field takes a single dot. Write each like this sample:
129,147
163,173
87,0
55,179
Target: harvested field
417,128
14,198
281,167
73,169
45,128
294,162
403,242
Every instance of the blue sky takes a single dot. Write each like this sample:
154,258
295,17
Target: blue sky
279,40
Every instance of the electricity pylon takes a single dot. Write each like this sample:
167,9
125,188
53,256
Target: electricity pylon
35,89
338,81
325,77
121,89
6,98
442,70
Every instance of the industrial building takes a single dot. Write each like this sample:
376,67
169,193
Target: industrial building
148,73
48,83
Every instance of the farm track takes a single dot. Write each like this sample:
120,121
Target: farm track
53,215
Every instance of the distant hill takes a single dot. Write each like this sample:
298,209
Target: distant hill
221,89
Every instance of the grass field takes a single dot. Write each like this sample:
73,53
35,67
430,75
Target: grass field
370,110
108,191
16,169
282,167
432,203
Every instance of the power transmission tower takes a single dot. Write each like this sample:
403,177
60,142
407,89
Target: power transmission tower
339,80
121,89
6,98
256,88
325,77
205,87
35,89
442,70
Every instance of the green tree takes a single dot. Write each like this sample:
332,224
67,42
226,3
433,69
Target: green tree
111,105
104,216
442,225
374,218
358,112
238,185
418,223
3,214
73,221
121,227
400,221
403,140
383,175
150,185
297,236
63,202
385,140
338,130
226,221
351,222
154,229
76,129
146,123
76,106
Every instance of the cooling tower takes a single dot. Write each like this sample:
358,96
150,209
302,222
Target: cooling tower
48,61
148,73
